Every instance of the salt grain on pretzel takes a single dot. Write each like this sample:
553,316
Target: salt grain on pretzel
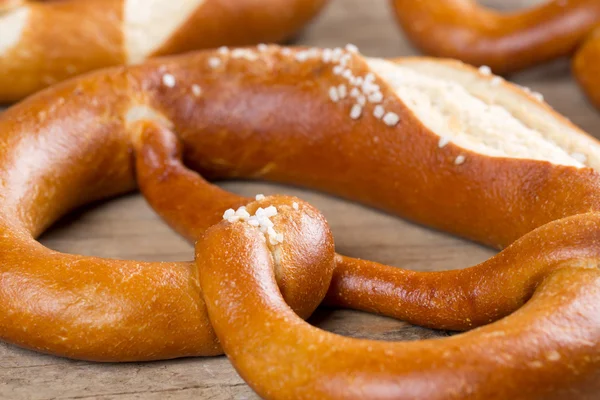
168,80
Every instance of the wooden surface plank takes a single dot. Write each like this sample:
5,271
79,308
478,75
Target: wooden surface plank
127,228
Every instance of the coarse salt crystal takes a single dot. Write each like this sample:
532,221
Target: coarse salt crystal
228,213
355,111
168,80
485,70
375,97
352,48
537,96
342,91
196,90
391,119
214,62
444,140
333,94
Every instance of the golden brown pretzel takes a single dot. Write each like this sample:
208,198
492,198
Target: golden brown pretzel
74,143
507,42
43,42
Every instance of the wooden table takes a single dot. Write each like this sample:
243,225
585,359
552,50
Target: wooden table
128,228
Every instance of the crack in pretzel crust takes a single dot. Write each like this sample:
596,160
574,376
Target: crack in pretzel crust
232,113
512,41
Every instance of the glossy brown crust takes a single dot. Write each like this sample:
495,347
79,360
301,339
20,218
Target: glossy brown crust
507,42
75,143
68,37
58,43
241,23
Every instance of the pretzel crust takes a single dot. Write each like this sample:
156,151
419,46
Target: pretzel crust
76,143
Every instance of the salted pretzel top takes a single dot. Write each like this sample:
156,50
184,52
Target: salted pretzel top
43,42
331,120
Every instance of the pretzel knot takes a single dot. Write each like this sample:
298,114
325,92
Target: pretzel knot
299,254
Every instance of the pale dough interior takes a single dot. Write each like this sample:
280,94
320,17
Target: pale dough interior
12,24
149,23
482,114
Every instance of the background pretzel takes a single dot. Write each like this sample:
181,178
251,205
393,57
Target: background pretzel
508,42
226,110
43,42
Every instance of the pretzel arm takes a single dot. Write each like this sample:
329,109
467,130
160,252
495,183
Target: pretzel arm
182,198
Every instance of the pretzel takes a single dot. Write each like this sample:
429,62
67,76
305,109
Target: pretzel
292,115
46,41
507,42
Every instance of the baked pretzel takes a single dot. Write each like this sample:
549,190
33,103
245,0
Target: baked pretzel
394,143
507,42
46,41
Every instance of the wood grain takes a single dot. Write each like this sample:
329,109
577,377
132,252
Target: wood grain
127,228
